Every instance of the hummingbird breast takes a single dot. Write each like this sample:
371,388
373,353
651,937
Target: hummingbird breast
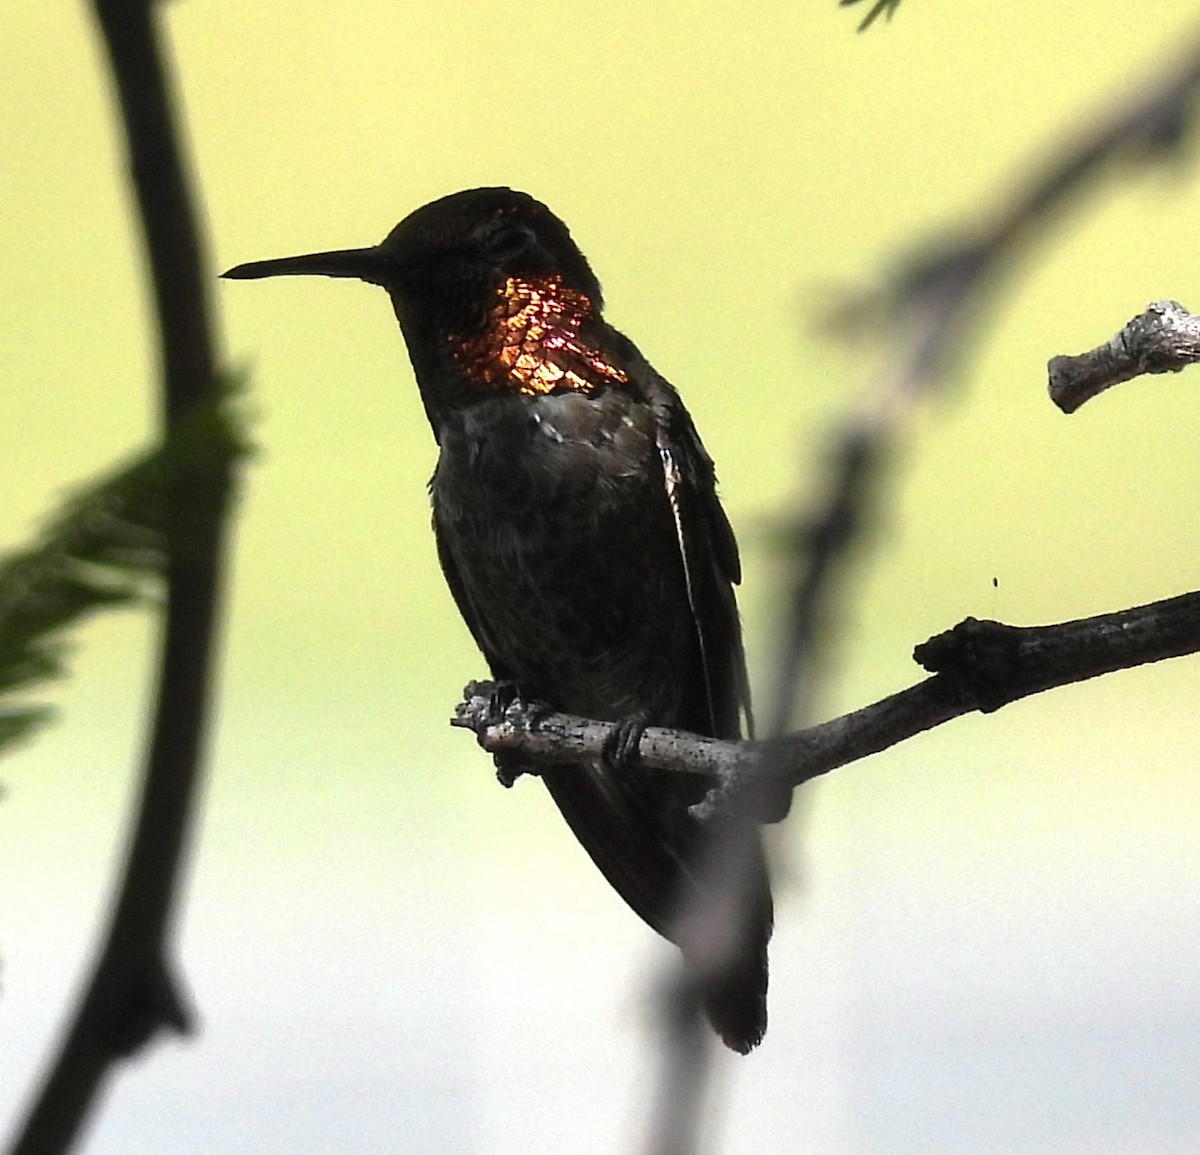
553,521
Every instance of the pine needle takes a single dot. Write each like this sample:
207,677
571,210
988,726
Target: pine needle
880,8
105,548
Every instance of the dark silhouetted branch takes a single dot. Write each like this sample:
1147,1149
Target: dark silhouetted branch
1163,339
133,992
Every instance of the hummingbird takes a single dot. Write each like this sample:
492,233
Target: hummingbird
579,530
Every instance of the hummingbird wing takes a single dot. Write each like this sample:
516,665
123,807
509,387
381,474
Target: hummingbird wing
711,567
735,987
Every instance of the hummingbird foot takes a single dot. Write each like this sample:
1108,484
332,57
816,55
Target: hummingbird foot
506,703
621,748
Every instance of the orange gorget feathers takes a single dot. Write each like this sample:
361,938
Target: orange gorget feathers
531,342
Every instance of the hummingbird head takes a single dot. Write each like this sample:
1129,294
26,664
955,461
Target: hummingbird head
476,240
446,260
491,293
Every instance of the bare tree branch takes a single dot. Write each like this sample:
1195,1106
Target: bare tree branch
1163,339
133,992
977,665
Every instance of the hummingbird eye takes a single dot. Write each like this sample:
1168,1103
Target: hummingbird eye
505,240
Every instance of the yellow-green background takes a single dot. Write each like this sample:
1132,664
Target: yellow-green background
988,941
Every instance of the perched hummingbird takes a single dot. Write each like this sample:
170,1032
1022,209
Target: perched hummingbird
579,530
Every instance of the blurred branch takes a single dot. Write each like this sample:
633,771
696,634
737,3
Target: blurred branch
132,992
1163,339
687,1072
977,665
925,314
923,317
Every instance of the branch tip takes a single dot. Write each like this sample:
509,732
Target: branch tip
1163,339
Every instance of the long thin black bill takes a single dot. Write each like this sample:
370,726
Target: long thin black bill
365,264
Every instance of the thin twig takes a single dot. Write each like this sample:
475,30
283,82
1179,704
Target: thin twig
133,993
1163,339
